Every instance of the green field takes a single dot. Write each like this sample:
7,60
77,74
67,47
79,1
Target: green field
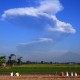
41,69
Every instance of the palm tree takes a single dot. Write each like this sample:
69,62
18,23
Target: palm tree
10,61
11,55
19,60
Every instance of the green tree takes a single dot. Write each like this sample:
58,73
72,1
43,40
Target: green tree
10,61
19,60
3,61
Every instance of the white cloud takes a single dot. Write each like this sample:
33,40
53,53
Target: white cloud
20,12
61,26
40,40
50,6
45,39
47,8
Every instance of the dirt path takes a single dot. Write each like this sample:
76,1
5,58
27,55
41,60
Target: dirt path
37,77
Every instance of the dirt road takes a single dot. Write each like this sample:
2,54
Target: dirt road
37,77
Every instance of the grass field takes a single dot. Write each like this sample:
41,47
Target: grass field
41,69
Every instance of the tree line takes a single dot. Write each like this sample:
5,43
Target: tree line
11,62
18,61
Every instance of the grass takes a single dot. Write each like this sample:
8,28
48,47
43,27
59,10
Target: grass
41,69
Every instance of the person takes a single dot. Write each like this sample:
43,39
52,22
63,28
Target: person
75,74
67,74
71,73
11,74
17,74
62,74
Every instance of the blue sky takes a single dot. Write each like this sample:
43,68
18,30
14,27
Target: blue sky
39,28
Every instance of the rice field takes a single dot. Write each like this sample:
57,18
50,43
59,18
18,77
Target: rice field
41,69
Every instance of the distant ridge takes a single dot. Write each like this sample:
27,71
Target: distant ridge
68,57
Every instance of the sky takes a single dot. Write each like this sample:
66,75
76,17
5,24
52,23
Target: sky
40,29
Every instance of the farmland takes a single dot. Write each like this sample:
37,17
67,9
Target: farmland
41,69
39,72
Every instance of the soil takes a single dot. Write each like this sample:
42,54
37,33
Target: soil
37,77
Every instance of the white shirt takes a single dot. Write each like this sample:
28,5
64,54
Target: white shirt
11,74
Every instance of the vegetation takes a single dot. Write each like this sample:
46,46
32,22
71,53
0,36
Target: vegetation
2,61
10,61
19,60
28,67
41,69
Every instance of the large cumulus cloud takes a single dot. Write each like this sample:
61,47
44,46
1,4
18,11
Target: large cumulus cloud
47,8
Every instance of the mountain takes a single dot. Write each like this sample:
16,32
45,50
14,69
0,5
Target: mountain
68,57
